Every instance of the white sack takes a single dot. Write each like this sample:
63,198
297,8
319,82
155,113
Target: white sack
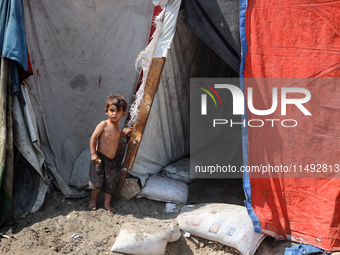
225,223
81,170
135,238
165,189
179,170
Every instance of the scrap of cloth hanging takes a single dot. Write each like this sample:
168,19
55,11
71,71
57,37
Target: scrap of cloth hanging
13,47
168,29
160,41
13,41
296,39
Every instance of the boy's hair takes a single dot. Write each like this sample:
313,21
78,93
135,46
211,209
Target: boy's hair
116,100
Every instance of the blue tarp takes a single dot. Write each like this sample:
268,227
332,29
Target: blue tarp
12,39
302,249
246,180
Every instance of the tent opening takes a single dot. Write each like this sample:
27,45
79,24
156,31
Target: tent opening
188,57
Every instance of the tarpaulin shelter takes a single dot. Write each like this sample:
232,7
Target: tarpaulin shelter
295,39
82,51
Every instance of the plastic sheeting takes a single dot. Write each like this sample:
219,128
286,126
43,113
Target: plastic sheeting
13,41
81,52
15,66
30,179
168,29
302,249
12,32
296,39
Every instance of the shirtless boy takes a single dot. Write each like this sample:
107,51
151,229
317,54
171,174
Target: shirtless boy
104,144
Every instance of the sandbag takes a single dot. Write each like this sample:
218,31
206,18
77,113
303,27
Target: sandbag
135,238
165,189
178,170
225,223
81,169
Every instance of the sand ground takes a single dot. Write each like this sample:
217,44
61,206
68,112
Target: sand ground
65,226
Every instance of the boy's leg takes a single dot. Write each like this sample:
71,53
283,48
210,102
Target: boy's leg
93,201
107,203
109,185
96,178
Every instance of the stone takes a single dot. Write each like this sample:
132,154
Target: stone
130,188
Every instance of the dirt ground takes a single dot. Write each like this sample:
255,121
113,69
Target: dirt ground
65,226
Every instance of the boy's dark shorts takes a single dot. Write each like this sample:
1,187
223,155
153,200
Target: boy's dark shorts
103,176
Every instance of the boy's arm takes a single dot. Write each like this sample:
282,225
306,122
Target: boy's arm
93,141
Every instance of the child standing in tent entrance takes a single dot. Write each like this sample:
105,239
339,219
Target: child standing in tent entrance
104,144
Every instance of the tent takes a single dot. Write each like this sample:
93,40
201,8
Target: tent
77,69
81,52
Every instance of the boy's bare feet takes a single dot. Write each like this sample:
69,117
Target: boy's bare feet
110,209
93,200
107,203
93,205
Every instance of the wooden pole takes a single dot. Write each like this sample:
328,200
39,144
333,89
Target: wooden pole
150,90
4,74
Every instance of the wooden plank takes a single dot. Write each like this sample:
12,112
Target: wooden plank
136,136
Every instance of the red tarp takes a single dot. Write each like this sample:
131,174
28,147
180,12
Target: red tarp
296,39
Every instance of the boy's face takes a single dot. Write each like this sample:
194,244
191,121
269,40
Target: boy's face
114,114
